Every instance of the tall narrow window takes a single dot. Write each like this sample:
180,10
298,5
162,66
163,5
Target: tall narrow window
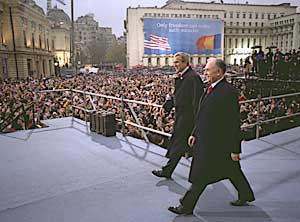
40,41
25,39
50,67
33,41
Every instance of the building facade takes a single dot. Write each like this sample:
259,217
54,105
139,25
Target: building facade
88,31
60,35
245,26
108,36
285,32
25,48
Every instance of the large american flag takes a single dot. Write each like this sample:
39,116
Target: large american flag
157,42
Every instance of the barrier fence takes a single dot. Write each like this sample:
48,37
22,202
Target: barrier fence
128,102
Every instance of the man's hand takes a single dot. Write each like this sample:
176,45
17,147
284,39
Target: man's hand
191,141
235,156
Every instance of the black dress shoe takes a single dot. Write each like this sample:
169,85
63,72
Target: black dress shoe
239,203
180,210
160,173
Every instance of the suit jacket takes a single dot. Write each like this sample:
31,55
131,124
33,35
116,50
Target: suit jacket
217,133
188,91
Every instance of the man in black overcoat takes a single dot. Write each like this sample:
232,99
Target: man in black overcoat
188,90
216,141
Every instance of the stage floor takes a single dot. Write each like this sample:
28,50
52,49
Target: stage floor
65,173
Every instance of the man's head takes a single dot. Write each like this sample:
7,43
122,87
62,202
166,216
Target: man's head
214,69
181,61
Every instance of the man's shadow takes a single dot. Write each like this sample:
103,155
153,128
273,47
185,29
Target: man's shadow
173,186
246,214
213,205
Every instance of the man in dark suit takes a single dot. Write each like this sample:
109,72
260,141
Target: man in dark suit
216,142
188,90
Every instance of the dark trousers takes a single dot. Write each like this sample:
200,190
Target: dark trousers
238,180
169,168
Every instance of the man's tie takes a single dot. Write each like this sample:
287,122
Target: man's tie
209,89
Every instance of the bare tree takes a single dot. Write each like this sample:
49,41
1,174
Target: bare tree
116,54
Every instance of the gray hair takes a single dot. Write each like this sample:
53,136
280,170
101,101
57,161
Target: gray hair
219,63
184,57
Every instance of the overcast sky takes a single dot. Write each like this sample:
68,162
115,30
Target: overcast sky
113,12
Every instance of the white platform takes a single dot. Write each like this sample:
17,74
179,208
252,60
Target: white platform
65,173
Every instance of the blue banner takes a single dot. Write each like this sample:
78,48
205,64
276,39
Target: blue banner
168,36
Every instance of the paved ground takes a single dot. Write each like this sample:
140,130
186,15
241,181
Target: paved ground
63,173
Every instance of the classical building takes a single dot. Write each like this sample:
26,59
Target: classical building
244,26
60,35
26,48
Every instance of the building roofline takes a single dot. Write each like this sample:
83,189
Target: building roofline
239,4
190,9
284,16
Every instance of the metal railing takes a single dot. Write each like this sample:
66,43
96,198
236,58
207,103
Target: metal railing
11,118
259,122
124,122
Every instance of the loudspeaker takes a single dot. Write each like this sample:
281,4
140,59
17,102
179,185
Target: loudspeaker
98,124
109,124
93,121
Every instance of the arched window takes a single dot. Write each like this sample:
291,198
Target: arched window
158,61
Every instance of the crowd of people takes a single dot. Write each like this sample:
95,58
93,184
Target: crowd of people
149,87
270,65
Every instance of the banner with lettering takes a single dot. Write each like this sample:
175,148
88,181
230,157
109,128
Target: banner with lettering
168,36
